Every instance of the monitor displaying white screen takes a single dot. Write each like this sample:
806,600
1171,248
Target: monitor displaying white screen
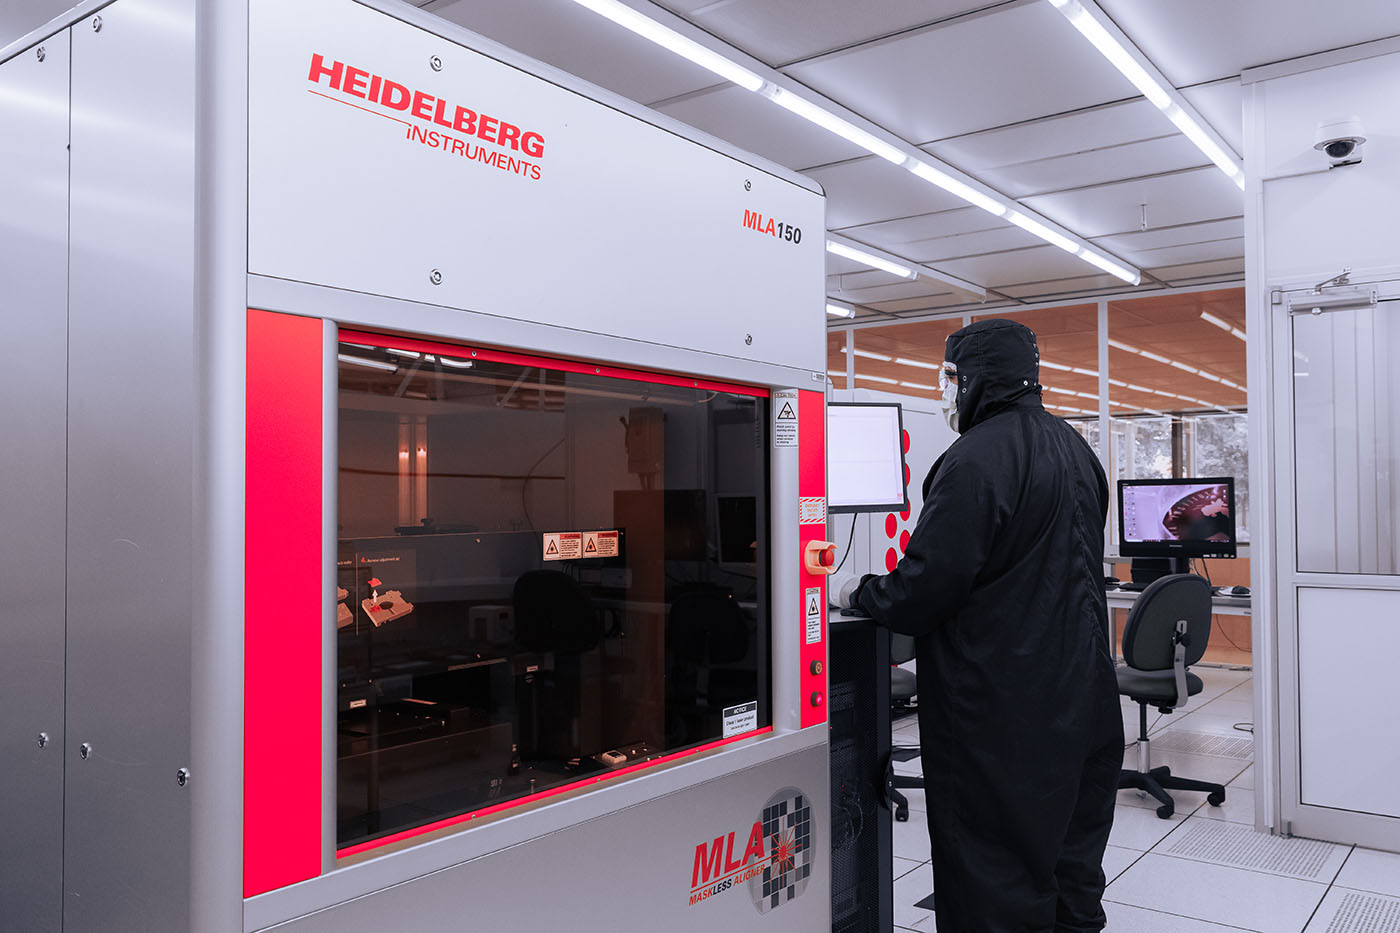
864,457
1190,517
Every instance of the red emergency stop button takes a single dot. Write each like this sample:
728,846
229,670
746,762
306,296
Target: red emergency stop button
819,557
818,698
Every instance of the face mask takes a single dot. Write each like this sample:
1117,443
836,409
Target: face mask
950,402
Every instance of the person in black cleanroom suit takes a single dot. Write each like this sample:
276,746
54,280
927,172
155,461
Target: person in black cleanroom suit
1002,587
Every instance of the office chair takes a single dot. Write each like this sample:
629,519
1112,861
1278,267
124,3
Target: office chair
1166,632
903,686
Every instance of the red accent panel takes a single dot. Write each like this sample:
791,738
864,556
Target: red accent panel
542,795
282,637
811,481
568,366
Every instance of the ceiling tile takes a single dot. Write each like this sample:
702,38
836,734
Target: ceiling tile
1065,134
884,291
1016,62
1095,167
872,189
1190,272
996,270
579,41
1075,285
1165,256
1222,106
755,123
1005,237
894,235
1129,244
928,303
1181,198
783,31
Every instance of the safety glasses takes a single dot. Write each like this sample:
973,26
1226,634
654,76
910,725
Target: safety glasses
947,376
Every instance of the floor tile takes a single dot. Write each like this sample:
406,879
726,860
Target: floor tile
1137,828
1218,894
1242,709
1203,720
908,890
1369,870
903,866
1237,808
1224,843
916,797
1245,780
1356,912
1125,919
911,838
1116,860
1184,764
912,766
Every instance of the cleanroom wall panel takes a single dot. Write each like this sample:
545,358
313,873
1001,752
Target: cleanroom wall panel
130,464
487,189
33,383
1347,643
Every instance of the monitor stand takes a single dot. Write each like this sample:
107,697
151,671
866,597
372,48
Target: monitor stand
1147,569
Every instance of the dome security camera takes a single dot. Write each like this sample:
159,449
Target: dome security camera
1340,141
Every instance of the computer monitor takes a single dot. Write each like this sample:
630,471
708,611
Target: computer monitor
865,457
1177,518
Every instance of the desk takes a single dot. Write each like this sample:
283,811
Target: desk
1219,605
1224,649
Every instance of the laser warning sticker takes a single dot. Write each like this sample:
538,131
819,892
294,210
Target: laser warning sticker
811,510
740,719
785,418
600,544
814,614
563,545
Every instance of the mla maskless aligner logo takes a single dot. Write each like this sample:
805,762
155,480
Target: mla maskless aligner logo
428,113
775,861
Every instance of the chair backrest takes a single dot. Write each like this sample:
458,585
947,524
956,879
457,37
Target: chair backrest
1147,636
901,648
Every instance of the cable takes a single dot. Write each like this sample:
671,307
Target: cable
1245,727
529,474
848,546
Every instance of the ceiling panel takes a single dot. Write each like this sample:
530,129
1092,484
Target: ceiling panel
863,290
1036,264
1222,106
906,305
783,31
579,41
1005,237
1064,134
872,189
895,234
1181,198
1168,153
1072,285
1015,63
752,122
1128,245
1196,271
1173,256
1193,41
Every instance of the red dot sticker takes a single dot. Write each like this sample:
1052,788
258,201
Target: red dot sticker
906,475
891,525
891,558
904,515
905,436
903,541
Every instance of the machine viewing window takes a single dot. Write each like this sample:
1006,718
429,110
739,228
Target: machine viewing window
546,574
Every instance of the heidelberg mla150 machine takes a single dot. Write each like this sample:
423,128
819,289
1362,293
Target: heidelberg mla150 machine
414,493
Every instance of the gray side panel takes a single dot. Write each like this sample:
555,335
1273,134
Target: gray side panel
33,387
131,344
631,870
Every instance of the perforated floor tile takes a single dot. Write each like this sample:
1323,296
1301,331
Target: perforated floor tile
1346,911
1205,743
1223,843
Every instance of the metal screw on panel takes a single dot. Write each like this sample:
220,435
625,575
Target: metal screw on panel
435,277
43,739
39,53
748,339
435,63
182,776
97,24
748,185
84,750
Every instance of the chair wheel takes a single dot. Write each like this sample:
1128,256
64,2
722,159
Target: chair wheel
1216,798
1165,811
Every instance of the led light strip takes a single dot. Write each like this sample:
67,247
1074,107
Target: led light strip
1158,358
752,75
1223,325
1114,45
840,308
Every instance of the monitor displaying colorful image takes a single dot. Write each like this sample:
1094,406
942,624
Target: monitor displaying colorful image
1177,517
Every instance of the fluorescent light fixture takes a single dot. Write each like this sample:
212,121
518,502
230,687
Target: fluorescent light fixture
1153,356
833,372
951,185
919,363
456,364
1223,324
1192,131
877,379
1117,382
831,122
1211,376
1085,372
1122,346
869,355
1036,228
919,385
869,259
369,364
1049,365
1087,395
1109,266
1184,368
405,353
840,309
648,28
1112,50
1137,388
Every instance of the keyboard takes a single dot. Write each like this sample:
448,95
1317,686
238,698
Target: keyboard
1132,587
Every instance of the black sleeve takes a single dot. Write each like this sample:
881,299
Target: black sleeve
960,520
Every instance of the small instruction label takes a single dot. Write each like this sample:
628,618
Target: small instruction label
740,719
814,614
563,545
785,418
811,510
600,544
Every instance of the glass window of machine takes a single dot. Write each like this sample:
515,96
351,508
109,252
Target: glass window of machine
544,576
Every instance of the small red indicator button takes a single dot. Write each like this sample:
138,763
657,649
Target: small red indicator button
828,556
817,698
817,668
